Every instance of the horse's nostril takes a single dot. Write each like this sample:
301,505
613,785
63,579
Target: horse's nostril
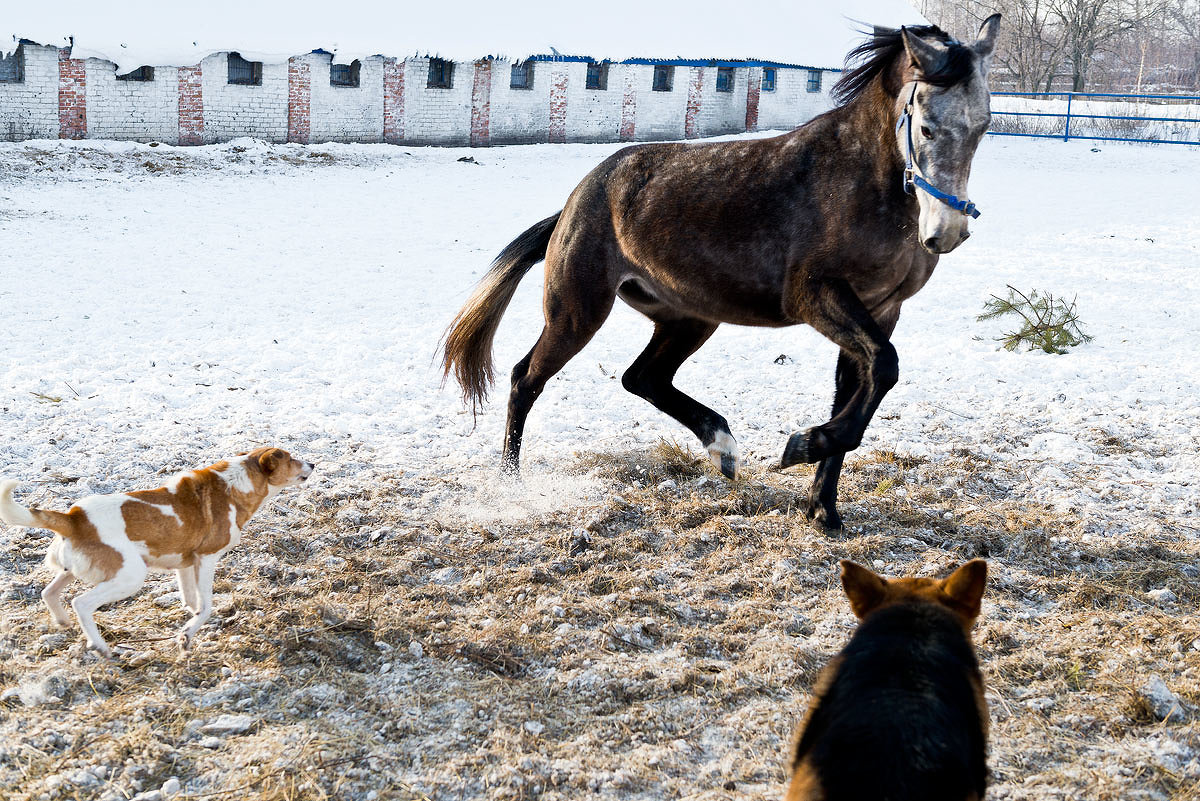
966,235
932,243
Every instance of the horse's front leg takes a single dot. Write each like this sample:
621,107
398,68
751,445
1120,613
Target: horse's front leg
834,309
822,497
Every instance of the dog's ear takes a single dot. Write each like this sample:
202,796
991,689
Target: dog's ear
271,459
965,586
865,589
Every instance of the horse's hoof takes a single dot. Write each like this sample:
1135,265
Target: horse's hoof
510,468
729,467
723,452
825,518
797,450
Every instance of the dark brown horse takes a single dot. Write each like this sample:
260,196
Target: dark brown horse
834,225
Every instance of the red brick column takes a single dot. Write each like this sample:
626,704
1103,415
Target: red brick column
691,120
558,105
393,100
753,87
629,105
191,106
299,100
481,104
72,96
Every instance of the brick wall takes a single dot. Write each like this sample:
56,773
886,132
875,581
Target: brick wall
393,100
347,113
558,104
519,116
233,110
481,104
72,96
61,96
691,115
629,98
144,111
299,100
190,105
29,109
723,112
436,116
791,103
660,115
753,90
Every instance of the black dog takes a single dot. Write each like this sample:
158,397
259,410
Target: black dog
899,713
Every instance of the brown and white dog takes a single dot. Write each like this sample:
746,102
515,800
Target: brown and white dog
111,541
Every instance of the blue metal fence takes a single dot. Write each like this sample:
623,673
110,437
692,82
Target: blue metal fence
1186,130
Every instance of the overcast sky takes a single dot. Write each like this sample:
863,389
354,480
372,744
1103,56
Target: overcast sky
807,32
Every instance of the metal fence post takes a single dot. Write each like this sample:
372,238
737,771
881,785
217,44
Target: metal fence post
1067,132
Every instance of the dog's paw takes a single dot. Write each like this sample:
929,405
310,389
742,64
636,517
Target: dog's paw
184,641
101,649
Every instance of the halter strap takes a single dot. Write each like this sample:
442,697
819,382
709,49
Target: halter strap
913,179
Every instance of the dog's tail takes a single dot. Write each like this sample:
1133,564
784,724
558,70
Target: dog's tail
15,514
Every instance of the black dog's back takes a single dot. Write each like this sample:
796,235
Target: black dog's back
900,718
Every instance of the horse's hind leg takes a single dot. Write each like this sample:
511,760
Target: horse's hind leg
650,377
572,319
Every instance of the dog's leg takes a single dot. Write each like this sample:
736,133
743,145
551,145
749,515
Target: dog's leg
52,595
127,581
205,569
188,589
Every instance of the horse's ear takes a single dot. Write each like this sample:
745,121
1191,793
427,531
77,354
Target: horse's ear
864,589
924,54
986,42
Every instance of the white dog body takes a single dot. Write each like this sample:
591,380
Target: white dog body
111,541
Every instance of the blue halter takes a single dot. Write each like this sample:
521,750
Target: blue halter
913,180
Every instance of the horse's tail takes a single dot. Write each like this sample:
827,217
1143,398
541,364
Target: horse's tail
15,514
468,341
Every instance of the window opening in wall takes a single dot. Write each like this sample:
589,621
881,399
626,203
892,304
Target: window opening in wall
522,76
814,80
724,79
344,74
664,76
597,75
140,74
441,74
768,79
12,66
243,72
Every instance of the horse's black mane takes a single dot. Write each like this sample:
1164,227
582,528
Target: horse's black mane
877,53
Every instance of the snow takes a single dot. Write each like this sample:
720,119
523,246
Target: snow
815,34
160,318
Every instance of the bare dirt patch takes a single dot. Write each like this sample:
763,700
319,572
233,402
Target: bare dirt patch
660,641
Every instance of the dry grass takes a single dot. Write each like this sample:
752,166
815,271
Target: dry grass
660,642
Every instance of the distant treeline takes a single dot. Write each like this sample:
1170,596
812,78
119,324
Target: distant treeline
1150,46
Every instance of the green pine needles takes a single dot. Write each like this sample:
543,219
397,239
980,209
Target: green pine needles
1047,323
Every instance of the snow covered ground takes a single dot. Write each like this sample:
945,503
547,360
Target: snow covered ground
161,308
186,304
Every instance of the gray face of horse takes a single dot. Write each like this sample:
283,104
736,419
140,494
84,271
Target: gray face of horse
947,125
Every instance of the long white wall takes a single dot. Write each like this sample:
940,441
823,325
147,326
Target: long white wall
296,102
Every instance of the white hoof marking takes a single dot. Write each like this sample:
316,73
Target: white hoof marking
722,448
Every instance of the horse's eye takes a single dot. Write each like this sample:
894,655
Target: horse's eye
925,132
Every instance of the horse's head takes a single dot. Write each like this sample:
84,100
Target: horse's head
946,99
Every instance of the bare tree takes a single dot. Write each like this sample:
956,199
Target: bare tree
1089,25
1184,16
1032,45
